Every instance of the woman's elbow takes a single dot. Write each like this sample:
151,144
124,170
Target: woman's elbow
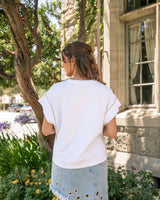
48,131
45,133
113,135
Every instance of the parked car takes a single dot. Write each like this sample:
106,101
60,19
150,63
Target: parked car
27,109
15,108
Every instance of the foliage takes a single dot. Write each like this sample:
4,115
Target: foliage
25,174
91,22
47,71
127,185
12,90
16,152
22,184
6,43
23,119
1,106
4,125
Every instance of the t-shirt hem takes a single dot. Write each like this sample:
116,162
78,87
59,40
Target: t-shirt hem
78,166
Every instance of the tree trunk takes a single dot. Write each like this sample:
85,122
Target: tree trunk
82,35
30,95
23,63
99,52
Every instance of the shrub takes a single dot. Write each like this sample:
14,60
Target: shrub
22,184
24,169
16,152
1,106
126,185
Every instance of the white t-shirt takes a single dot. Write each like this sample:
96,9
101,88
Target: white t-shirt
79,109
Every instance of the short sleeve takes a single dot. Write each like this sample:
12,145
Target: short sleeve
47,109
112,107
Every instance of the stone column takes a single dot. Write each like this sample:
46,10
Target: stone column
69,24
114,69
157,59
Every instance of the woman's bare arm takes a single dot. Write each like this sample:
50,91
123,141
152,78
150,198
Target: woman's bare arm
110,129
47,128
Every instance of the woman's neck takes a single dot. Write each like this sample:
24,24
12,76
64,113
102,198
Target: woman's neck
78,77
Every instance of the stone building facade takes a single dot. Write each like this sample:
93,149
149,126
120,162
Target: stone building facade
131,68
69,24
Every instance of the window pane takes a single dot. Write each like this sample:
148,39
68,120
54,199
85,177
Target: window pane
130,5
148,73
141,60
147,94
140,3
144,54
134,74
149,28
152,1
134,95
134,53
142,37
143,2
137,4
135,33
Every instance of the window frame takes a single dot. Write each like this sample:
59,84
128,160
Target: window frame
148,4
141,62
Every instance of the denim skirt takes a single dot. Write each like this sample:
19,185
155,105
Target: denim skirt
88,183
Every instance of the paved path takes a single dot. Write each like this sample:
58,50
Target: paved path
16,128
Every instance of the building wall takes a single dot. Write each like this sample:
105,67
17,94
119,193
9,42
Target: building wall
138,139
69,25
16,98
114,49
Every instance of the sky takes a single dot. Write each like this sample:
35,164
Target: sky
53,20
41,1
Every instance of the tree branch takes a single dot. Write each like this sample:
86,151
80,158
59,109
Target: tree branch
3,55
33,31
9,52
6,75
36,37
25,18
35,17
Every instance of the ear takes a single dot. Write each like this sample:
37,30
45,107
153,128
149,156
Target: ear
73,60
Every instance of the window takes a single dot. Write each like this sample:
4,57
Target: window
141,55
135,4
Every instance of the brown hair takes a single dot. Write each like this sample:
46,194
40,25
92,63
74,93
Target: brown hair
86,64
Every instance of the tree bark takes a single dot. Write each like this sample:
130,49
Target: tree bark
23,63
82,35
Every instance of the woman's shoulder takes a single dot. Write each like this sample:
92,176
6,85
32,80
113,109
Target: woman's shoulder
59,85
103,86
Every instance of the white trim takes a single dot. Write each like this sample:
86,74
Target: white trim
58,195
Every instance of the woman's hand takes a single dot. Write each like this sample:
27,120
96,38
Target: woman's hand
110,129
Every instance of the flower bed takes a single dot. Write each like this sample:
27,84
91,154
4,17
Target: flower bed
25,174
4,125
23,119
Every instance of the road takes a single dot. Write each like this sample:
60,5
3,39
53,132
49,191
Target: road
16,128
